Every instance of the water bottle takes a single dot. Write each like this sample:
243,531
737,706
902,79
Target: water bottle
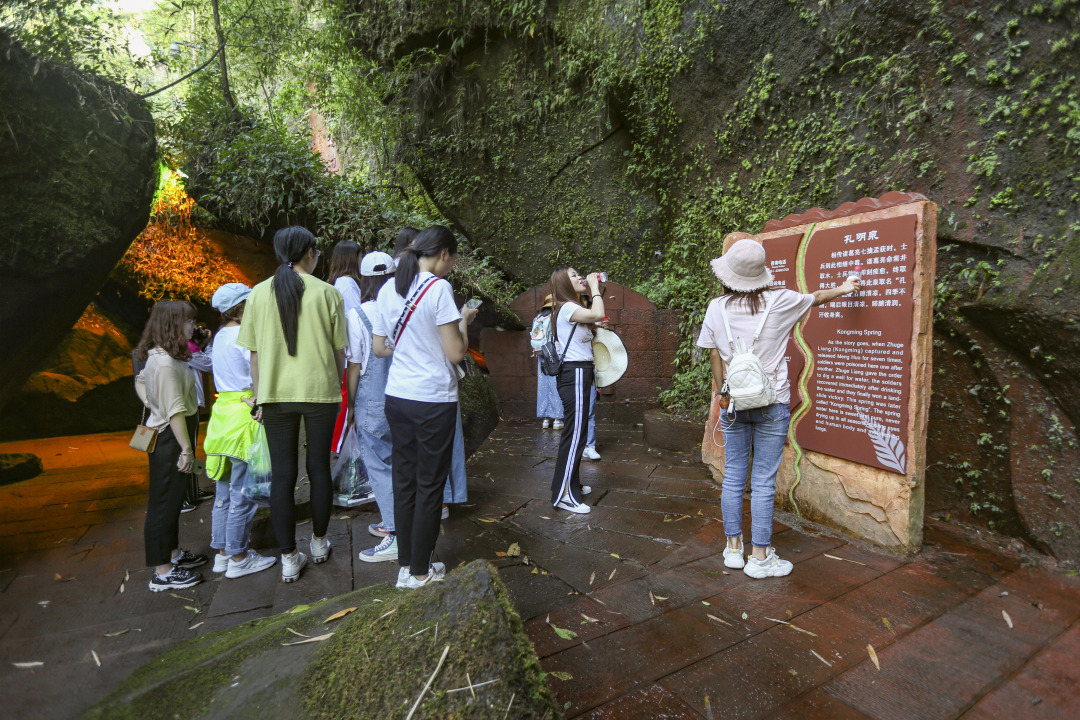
857,274
601,276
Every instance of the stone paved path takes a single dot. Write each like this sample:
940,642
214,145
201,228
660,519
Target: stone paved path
662,629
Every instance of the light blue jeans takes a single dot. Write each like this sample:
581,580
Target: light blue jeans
230,521
763,430
455,490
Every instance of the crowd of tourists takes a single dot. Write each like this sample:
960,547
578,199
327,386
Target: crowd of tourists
377,349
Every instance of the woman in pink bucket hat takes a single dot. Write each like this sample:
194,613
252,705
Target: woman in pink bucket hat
753,319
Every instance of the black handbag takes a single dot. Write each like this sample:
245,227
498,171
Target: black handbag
550,359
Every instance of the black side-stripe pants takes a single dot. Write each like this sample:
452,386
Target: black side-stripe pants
574,383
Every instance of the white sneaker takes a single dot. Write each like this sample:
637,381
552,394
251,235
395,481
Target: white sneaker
772,566
320,549
734,559
291,566
253,563
567,504
586,489
221,563
434,574
402,576
557,425
546,424
445,512
590,453
383,552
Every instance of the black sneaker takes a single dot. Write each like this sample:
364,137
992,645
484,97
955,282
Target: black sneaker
187,507
189,560
177,579
204,495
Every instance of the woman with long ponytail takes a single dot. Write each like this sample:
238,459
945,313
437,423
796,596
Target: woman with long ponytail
294,326
417,322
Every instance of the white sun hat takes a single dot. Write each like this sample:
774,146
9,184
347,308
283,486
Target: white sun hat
742,267
609,357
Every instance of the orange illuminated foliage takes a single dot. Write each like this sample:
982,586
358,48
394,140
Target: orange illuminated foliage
172,258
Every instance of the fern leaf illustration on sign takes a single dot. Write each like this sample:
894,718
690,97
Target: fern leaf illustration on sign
887,446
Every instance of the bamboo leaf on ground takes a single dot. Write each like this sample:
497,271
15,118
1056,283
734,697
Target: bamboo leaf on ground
873,656
339,615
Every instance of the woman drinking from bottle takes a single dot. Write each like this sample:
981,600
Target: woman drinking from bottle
573,330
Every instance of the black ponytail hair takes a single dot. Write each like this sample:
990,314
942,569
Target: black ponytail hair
290,246
429,242
404,238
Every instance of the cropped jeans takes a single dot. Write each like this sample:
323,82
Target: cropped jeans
763,431
230,522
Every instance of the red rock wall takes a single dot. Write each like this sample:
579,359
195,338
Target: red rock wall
651,337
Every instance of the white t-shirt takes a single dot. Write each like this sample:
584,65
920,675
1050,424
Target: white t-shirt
350,292
420,370
232,363
788,307
358,350
581,344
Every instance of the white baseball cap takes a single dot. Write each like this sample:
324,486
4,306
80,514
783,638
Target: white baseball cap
377,263
229,296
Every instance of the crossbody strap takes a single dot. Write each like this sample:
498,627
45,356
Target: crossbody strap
410,308
555,334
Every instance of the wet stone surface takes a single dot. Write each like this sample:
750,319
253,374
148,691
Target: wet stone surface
630,607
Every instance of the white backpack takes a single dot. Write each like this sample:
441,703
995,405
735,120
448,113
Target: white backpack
746,382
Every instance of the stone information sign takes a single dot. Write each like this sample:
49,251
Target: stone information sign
859,366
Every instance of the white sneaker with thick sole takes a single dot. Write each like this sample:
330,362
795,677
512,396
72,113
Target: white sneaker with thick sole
546,424
253,563
557,425
772,566
589,453
320,549
383,552
568,504
221,563
291,566
734,559
434,574
403,573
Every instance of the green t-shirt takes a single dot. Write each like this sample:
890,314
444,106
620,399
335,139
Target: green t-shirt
311,374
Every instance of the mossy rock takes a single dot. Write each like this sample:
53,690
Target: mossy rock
375,665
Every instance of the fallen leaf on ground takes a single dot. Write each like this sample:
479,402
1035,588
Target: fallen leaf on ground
589,619
1008,620
545,517
744,616
660,597
888,625
705,603
196,625
713,617
487,520
339,615
514,550
96,658
299,634
181,597
500,553
613,573
873,656
652,600
59,578
561,675
114,634
592,577
535,571
27,665
821,658
319,638
834,557
192,609
564,633
616,556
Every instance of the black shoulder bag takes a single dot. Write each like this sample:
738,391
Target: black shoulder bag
550,359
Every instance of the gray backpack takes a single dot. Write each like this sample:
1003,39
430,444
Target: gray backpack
746,382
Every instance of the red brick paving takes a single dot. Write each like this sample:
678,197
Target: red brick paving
663,629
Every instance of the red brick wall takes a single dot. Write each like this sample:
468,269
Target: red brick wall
651,337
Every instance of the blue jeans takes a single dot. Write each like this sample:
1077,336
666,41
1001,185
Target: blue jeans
230,521
456,490
763,430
